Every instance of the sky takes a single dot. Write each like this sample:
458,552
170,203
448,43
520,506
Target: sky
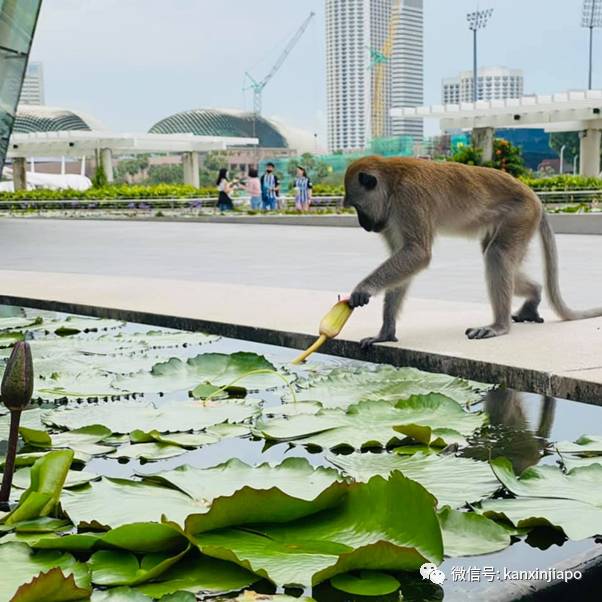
130,63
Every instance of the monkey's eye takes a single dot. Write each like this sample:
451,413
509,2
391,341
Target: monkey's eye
368,181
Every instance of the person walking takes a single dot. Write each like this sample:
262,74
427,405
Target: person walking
224,202
253,187
270,188
303,189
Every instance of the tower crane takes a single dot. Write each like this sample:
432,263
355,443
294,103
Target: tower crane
258,86
379,59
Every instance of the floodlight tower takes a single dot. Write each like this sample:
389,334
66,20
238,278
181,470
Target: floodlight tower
477,20
591,18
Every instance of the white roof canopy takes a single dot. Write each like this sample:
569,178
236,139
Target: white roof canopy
78,143
566,111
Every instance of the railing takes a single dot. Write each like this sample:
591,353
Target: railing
200,205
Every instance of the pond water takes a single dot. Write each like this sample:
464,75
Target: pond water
521,428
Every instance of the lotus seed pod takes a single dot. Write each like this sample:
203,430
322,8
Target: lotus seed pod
17,382
332,323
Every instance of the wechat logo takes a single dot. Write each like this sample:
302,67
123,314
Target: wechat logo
430,571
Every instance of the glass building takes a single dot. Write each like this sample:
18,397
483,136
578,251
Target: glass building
18,19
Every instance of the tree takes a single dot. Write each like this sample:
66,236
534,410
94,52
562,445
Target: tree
100,177
165,174
506,157
131,167
568,139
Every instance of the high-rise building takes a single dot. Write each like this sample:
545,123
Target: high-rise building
374,62
32,92
493,83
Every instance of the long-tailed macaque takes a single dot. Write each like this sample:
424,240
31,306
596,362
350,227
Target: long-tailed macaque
409,201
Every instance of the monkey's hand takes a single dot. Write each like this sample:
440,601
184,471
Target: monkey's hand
359,298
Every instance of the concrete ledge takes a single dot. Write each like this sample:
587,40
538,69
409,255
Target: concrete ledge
560,359
562,223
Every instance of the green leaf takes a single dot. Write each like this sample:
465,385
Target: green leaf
53,586
119,594
47,475
16,322
367,531
110,567
470,534
8,339
30,418
586,444
438,474
75,478
581,484
217,368
45,524
366,583
577,519
20,565
84,441
76,324
343,387
200,574
180,417
371,423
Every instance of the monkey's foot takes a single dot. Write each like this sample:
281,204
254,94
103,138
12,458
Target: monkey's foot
528,313
486,332
379,338
358,299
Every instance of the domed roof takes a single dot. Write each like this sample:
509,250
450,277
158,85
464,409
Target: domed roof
222,122
40,118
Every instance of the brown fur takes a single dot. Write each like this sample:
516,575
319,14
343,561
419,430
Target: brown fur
409,201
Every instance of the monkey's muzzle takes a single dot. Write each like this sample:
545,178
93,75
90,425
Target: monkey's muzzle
367,223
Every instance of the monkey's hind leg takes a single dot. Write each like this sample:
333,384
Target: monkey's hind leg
531,290
393,300
501,255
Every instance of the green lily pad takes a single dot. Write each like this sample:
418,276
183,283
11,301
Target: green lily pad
46,524
20,565
470,534
115,567
41,497
200,574
119,594
581,484
247,369
366,531
75,478
343,387
366,583
84,441
427,419
17,322
8,339
577,519
91,384
586,444
438,474
124,418
76,324
30,418
52,586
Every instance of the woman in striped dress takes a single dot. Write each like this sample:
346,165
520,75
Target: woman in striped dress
303,188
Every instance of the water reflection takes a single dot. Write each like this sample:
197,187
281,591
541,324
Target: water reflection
510,432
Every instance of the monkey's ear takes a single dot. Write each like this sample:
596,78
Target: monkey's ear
368,181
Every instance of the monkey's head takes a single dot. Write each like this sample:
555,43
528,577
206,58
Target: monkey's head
366,191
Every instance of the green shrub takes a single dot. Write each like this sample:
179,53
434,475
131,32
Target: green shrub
564,182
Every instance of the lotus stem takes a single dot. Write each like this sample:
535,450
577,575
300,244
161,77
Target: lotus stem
11,452
316,345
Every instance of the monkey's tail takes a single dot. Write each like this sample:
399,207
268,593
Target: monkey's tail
551,272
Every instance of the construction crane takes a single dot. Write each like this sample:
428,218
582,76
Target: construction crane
258,86
379,59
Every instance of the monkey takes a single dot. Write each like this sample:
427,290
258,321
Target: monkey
408,201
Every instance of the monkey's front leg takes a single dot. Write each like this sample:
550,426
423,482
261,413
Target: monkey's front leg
391,306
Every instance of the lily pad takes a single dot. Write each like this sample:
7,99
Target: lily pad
343,387
581,484
202,575
40,499
114,567
585,445
20,565
427,419
75,478
8,339
90,384
17,322
52,586
366,583
470,534
438,474
76,324
124,418
30,418
367,531
578,520
84,442
248,369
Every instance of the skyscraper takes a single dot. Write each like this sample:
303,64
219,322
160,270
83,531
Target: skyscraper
374,62
494,83
32,92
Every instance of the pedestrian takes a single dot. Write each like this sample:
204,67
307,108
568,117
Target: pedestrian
253,187
224,202
270,188
303,189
